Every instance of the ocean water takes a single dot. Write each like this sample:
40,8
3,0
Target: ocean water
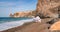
9,22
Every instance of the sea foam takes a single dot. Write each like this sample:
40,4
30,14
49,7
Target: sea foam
12,24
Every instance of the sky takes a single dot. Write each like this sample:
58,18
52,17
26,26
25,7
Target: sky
12,6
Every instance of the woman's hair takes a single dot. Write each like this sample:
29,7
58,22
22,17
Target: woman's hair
36,15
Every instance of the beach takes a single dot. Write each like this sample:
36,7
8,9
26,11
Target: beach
17,15
32,27
8,23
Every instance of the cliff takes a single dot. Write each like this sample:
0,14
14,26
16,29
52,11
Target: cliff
48,8
23,14
44,8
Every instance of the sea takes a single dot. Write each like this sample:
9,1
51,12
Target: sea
10,22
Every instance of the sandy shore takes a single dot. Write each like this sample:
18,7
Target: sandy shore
28,28
32,27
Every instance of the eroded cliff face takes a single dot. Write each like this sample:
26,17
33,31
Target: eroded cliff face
44,8
48,8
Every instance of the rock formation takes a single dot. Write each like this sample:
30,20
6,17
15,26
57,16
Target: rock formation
55,26
45,8
23,14
10,15
48,8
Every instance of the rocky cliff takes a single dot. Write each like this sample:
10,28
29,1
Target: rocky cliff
48,8
23,14
55,26
44,8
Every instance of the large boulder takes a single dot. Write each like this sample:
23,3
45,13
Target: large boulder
48,8
55,26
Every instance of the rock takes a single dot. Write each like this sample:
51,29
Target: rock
55,26
45,8
52,21
10,15
48,8
23,14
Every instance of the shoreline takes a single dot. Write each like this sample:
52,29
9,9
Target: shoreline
16,28
9,25
32,27
28,26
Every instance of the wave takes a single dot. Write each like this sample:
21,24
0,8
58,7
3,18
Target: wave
8,25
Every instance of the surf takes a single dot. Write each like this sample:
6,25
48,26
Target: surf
12,24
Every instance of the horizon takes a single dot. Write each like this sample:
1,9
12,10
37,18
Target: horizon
12,6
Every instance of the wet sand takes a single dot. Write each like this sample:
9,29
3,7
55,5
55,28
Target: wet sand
32,27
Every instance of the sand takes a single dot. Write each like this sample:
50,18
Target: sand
32,27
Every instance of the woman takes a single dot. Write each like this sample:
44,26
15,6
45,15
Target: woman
36,19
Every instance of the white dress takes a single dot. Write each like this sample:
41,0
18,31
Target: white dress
37,19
